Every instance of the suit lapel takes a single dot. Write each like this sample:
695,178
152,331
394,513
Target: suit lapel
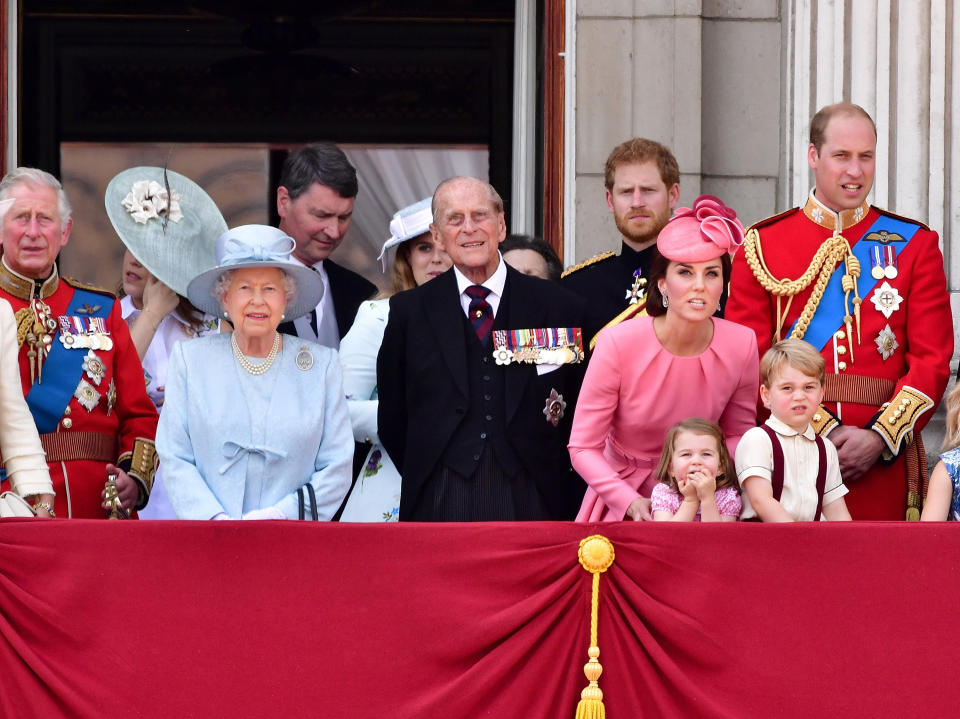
445,316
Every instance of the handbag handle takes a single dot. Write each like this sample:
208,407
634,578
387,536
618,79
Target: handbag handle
313,503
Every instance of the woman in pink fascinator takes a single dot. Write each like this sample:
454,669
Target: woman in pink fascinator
677,361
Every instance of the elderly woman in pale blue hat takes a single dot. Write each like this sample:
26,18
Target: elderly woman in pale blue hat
375,496
255,424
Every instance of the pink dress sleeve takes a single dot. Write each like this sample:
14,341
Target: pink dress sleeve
728,502
740,413
665,499
599,399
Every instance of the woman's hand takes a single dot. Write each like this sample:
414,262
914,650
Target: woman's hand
159,299
639,510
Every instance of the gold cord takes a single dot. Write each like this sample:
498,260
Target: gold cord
833,250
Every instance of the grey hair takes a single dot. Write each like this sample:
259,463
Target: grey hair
495,198
222,284
33,176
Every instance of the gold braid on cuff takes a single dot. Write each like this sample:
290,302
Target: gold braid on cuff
823,421
143,466
897,418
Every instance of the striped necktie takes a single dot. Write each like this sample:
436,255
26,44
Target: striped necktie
480,312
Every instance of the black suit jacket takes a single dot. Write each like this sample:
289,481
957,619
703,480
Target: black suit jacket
348,290
422,385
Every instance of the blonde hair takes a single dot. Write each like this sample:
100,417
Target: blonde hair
795,353
695,425
952,405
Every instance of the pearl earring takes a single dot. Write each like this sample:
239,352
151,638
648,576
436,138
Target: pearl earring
283,315
226,315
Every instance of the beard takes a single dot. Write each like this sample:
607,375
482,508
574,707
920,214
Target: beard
647,232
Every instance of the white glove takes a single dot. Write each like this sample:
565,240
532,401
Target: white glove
265,513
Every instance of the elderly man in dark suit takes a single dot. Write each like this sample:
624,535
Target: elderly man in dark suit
478,376
318,186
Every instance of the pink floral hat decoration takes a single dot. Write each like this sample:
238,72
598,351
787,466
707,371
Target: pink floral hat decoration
702,232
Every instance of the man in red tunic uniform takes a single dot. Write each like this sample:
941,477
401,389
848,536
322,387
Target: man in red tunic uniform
867,289
79,369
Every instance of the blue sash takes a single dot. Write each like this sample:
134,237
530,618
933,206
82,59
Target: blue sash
829,315
61,368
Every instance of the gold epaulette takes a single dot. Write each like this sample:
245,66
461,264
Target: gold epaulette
89,288
823,421
897,418
590,261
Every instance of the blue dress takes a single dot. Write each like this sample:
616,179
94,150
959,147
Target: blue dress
231,442
951,461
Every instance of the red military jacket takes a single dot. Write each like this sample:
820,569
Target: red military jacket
905,333
108,417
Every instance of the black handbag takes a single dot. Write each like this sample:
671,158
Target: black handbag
313,502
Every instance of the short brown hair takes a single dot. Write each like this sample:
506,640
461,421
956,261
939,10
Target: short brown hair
695,425
818,125
795,353
639,150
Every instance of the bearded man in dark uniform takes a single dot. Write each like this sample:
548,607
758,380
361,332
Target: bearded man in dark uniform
643,186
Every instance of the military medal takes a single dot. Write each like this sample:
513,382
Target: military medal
93,367
503,356
890,262
548,345
636,291
886,342
876,261
554,408
304,358
886,299
87,395
111,397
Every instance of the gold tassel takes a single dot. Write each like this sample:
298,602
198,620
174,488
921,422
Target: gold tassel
595,555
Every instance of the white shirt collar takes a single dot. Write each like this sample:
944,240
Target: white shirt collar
494,283
787,431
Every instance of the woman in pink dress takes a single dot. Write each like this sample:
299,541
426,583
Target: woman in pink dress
653,371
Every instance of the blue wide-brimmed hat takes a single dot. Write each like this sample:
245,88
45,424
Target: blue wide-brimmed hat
257,246
171,233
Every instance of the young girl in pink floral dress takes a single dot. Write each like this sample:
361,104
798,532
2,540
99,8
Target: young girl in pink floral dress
697,479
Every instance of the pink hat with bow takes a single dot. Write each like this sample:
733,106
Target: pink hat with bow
704,232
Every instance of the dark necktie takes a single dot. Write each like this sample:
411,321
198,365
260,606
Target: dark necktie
480,312
313,312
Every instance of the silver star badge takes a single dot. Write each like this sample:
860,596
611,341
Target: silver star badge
94,368
886,299
87,395
554,408
886,342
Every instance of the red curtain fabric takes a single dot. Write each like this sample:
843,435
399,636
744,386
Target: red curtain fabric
255,619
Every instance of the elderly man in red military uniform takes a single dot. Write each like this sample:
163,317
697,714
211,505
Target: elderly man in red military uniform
867,289
80,372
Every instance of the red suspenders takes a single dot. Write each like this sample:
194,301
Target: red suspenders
777,479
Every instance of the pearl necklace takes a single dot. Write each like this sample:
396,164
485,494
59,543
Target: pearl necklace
255,369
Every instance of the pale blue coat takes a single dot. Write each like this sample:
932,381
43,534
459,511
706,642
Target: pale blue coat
232,442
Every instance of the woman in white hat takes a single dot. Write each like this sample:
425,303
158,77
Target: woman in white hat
169,226
23,458
255,423
375,496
